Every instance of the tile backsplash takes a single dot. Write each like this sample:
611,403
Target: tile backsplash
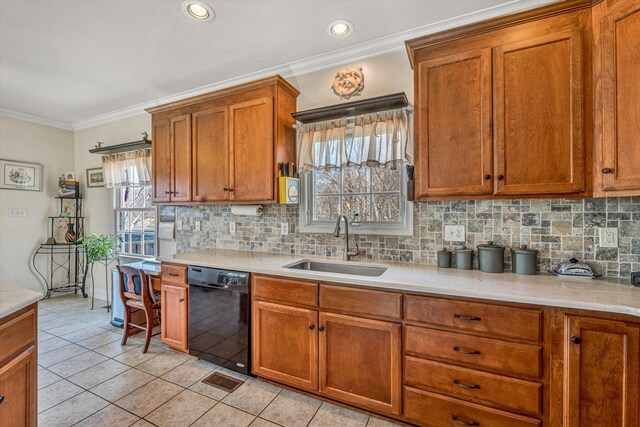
559,228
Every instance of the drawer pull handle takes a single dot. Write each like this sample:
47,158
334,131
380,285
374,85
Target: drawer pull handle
459,421
459,350
463,385
461,317
1,399
181,300
173,274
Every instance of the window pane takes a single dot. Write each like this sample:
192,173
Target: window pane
123,243
358,204
149,248
126,197
136,221
355,179
386,207
136,243
149,222
326,182
383,179
326,208
122,221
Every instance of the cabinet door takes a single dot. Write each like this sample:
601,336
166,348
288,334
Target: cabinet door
285,344
601,375
18,386
251,134
161,158
174,311
210,146
181,158
621,97
538,115
454,150
360,362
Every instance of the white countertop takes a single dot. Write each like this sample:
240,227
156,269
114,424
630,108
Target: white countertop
13,298
610,295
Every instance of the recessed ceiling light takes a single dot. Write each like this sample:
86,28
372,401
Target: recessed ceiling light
340,28
197,10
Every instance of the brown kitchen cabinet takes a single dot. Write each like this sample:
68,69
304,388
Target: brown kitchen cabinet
285,344
601,373
224,146
453,117
174,310
18,368
499,108
617,134
360,361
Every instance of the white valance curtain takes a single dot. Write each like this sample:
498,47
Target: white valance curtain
130,169
378,139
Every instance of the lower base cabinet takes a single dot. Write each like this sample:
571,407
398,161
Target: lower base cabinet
285,344
174,313
602,378
360,361
18,390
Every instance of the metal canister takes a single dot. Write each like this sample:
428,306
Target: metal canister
524,261
464,258
444,258
491,258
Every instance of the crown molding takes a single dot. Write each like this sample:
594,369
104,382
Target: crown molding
6,112
335,58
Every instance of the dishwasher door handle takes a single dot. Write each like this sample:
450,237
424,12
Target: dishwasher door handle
209,285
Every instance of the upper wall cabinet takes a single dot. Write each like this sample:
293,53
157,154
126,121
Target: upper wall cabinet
499,111
617,133
223,147
505,107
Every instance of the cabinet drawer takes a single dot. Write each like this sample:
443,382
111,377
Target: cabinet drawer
17,332
436,410
176,274
284,290
509,393
510,322
361,301
490,353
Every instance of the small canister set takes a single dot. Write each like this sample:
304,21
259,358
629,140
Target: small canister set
491,259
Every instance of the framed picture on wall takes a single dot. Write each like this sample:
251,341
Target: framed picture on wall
95,177
20,175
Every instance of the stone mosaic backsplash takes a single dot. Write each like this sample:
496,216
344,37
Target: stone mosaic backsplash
559,228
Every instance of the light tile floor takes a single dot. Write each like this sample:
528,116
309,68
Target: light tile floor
85,378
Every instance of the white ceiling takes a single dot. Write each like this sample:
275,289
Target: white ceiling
75,61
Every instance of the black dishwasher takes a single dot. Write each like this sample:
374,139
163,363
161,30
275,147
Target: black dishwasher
219,317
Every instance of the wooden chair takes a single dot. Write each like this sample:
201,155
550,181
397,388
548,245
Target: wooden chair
137,293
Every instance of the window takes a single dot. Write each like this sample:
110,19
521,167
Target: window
136,221
374,197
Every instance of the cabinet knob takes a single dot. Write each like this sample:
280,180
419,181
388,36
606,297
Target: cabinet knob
487,176
312,327
181,299
167,192
459,421
607,170
321,328
575,340
1,399
500,177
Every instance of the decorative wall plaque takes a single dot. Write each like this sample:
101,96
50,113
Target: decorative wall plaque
348,82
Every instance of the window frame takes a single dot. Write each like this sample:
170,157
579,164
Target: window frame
308,225
117,208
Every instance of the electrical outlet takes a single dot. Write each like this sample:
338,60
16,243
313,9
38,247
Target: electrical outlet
17,213
178,225
196,226
609,237
284,228
232,227
455,233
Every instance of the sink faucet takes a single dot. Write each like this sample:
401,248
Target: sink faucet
346,255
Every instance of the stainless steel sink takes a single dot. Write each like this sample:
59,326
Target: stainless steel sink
339,268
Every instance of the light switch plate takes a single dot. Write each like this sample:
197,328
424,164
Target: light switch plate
17,212
232,227
284,229
609,237
455,233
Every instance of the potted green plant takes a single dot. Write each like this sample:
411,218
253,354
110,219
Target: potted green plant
100,246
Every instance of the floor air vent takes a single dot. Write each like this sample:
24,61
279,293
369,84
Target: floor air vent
223,382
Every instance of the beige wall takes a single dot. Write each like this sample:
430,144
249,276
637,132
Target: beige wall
19,237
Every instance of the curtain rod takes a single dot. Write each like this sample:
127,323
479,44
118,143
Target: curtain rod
145,142
409,109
